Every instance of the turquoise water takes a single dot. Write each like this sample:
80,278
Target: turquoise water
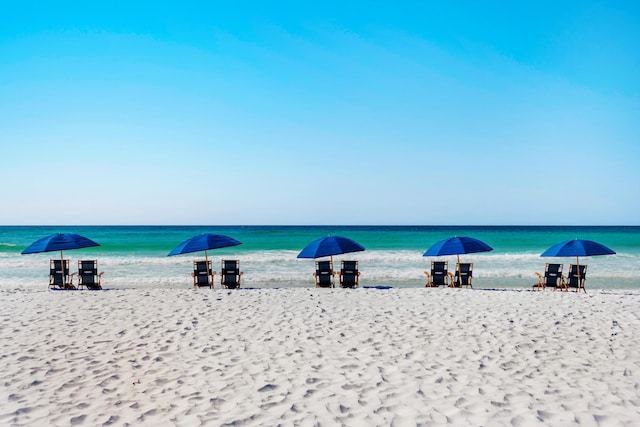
136,256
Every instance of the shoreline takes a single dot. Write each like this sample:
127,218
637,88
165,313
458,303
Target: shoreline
31,286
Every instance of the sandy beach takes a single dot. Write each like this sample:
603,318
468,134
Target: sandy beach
315,357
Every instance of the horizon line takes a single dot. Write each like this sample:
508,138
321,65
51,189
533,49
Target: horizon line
320,225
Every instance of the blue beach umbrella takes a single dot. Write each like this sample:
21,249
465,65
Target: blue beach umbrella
457,246
577,248
59,242
204,242
329,246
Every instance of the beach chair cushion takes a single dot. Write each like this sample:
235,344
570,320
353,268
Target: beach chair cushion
324,274
88,274
552,275
439,270
202,274
463,275
575,280
59,278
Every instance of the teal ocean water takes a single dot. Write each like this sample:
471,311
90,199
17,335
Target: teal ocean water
134,257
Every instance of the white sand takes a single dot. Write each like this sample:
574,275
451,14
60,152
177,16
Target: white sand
400,357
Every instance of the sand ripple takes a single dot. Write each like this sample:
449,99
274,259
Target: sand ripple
308,357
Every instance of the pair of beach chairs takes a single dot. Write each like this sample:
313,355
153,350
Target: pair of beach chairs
441,276
230,274
554,279
348,275
88,276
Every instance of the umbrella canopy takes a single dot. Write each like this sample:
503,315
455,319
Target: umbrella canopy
457,246
329,246
59,242
577,248
204,242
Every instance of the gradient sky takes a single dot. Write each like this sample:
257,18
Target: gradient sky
290,112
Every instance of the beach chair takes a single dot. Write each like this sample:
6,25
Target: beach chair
230,275
324,274
59,278
553,276
463,275
575,280
88,275
202,274
349,274
439,275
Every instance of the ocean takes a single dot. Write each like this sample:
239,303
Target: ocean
136,256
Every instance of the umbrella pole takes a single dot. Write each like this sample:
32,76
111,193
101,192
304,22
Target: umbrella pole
206,262
331,259
64,282
578,267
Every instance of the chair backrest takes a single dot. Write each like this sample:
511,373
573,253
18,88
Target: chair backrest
56,266
349,267
439,270
202,273
58,276
464,274
573,279
202,267
324,266
230,266
552,275
324,274
349,274
230,274
88,267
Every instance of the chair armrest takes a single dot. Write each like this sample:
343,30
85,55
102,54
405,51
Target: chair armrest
563,281
452,282
539,283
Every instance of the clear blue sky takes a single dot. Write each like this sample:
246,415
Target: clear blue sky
232,112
